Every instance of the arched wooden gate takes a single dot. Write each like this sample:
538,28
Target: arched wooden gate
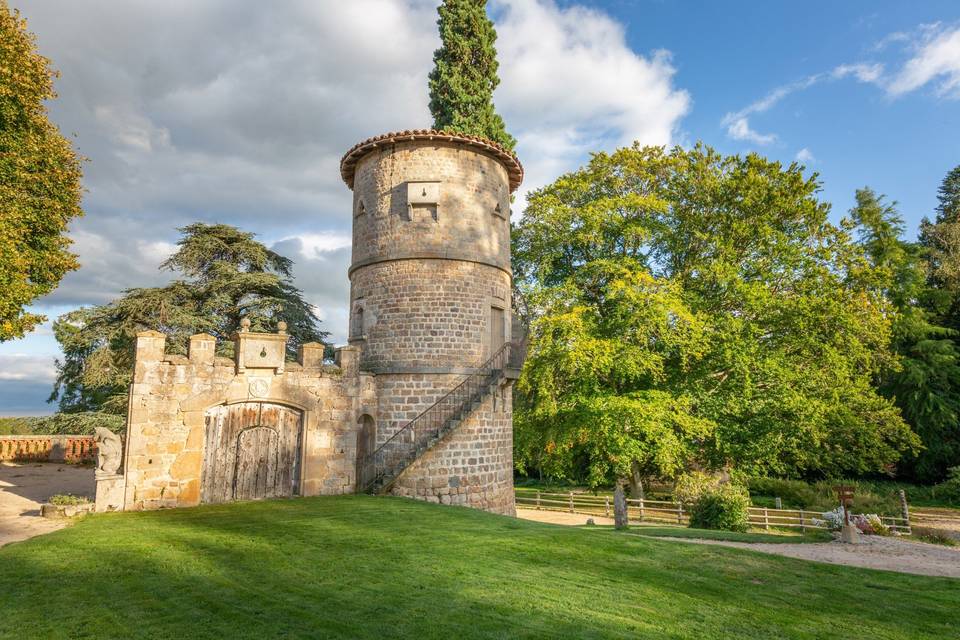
252,451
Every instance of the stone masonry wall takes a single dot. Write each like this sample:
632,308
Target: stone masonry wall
170,396
431,258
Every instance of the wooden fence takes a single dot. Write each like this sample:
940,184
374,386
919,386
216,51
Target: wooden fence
67,448
678,513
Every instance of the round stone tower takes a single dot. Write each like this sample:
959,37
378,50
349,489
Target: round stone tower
430,285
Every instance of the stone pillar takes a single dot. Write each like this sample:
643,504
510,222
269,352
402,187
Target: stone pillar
348,359
203,348
310,355
620,514
110,492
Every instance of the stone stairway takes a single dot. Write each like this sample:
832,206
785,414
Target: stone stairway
380,469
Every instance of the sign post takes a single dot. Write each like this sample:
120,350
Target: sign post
848,532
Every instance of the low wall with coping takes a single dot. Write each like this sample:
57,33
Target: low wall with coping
48,448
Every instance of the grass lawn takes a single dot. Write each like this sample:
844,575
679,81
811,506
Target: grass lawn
365,567
733,536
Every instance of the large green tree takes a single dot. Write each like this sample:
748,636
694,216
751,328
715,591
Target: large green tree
941,242
689,308
227,275
40,188
465,73
925,383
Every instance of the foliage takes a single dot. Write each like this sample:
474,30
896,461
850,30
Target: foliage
691,486
941,240
228,276
725,507
933,536
832,519
465,73
67,499
17,426
949,489
255,570
79,423
40,188
687,307
925,382
795,493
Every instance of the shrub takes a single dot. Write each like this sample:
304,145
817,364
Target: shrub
691,486
949,489
793,492
725,507
66,499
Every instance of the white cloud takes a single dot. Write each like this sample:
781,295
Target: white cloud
805,156
22,366
739,129
936,58
870,73
239,113
571,84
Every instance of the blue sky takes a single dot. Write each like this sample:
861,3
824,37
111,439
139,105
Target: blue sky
199,111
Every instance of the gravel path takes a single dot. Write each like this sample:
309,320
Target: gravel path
874,552
24,486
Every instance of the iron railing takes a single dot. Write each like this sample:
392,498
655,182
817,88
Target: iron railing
380,468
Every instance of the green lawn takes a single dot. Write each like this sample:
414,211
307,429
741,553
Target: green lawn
733,536
364,567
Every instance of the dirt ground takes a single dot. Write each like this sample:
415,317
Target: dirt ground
24,486
891,554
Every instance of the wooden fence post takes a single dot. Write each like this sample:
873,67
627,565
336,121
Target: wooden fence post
766,519
778,503
641,509
679,513
803,527
571,502
538,501
606,506
904,510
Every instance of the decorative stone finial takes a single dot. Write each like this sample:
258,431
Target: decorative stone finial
245,324
281,327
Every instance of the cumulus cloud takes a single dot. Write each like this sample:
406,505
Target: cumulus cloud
935,59
571,84
239,113
805,156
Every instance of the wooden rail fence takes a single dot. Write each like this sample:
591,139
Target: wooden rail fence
678,513
56,448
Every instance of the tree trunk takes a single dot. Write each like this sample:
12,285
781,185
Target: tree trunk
636,481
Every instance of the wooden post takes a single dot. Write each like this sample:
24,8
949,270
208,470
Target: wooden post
606,506
571,502
803,527
778,503
641,509
620,517
679,513
766,519
538,501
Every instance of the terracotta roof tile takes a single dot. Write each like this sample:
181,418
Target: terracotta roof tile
506,157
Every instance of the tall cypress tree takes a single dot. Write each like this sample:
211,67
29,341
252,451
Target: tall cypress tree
465,73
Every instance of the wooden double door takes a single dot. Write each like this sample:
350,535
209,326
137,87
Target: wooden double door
252,451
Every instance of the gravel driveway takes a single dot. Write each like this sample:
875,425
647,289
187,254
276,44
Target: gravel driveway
875,552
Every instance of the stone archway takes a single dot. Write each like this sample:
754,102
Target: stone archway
252,451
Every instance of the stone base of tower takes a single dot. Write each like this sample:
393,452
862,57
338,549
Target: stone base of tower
473,466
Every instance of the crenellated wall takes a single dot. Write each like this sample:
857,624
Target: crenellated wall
175,402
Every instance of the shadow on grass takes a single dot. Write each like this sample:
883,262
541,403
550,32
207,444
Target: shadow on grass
361,567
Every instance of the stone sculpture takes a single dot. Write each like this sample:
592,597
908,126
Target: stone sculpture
109,451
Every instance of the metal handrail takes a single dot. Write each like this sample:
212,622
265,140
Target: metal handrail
418,435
